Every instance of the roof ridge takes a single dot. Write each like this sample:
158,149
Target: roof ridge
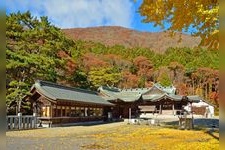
114,89
41,82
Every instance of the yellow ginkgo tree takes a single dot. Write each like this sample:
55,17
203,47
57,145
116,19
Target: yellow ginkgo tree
181,15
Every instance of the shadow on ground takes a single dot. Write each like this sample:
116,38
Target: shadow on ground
94,123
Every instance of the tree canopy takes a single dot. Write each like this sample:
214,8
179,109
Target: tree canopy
203,15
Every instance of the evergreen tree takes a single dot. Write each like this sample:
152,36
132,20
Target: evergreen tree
31,53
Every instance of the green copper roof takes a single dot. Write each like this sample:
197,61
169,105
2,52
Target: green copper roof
130,95
168,89
115,93
194,98
59,92
166,96
155,93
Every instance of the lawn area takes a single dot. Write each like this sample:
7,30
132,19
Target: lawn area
115,136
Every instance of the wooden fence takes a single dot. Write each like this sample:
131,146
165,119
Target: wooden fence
19,122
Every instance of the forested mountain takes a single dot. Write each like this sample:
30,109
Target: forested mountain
36,49
115,35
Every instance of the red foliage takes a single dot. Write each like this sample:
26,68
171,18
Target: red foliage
143,62
90,60
70,63
129,80
144,66
182,89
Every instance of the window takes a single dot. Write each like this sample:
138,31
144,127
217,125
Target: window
81,114
46,111
67,111
63,111
43,112
98,111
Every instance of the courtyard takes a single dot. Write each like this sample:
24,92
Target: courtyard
114,136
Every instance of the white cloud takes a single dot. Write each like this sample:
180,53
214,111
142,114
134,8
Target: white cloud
78,13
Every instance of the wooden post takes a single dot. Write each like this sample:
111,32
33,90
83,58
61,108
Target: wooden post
129,115
85,111
69,111
61,112
192,117
160,109
50,114
173,109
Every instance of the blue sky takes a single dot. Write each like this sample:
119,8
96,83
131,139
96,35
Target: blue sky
85,13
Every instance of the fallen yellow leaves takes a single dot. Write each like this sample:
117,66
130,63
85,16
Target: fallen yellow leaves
145,137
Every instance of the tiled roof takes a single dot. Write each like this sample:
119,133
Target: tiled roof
114,94
148,94
168,89
129,95
60,92
194,98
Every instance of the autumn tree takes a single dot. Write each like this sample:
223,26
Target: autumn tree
103,77
70,64
163,76
214,97
117,61
183,15
182,89
178,71
90,60
144,69
129,80
164,80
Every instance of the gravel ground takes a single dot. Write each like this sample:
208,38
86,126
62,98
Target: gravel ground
56,138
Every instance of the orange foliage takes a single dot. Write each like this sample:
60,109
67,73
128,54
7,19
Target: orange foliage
214,97
129,80
182,89
70,63
90,60
144,66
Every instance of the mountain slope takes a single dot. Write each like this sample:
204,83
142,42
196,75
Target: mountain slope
112,35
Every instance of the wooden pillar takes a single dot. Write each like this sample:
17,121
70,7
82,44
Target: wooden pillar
70,111
160,108
47,111
173,109
51,111
61,111
85,111
192,118
129,115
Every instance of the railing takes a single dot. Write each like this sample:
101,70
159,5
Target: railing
19,122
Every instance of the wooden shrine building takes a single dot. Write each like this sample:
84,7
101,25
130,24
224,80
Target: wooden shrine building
141,101
60,104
